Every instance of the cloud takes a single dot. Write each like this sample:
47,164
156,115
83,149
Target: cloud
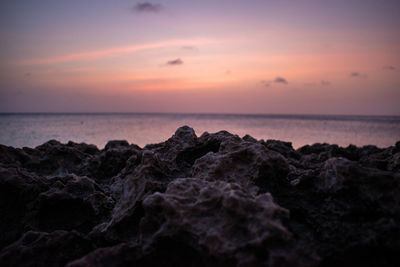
189,47
389,68
28,74
112,51
356,74
280,80
147,7
325,83
174,62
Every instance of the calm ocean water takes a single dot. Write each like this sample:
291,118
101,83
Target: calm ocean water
31,130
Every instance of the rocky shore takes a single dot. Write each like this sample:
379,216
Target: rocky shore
213,200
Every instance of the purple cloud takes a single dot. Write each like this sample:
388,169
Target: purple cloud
356,74
280,80
174,62
147,7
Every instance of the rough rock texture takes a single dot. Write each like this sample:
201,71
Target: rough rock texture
213,200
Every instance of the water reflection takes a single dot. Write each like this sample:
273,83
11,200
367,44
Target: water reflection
34,129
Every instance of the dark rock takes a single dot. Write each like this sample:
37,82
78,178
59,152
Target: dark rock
19,190
187,157
213,200
313,149
85,148
156,169
220,220
397,147
54,158
345,212
31,202
119,255
110,162
200,223
284,148
73,203
116,144
394,163
246,163
249,138
46,249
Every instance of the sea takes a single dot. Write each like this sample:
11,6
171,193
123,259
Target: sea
33,129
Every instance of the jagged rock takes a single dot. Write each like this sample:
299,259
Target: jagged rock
119,255
394,163
284,148
213,200
218,218
247,163
110,162
46,249
73,203
54,158
31,202
19,190
116,144
345,212
12,157
200,223
156,169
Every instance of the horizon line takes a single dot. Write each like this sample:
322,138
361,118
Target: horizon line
195,113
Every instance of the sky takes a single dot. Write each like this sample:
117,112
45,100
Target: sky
180,56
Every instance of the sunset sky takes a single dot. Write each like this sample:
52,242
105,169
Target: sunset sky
220,56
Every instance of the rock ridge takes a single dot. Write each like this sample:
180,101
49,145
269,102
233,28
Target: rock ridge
212,200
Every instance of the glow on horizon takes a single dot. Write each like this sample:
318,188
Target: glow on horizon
204,57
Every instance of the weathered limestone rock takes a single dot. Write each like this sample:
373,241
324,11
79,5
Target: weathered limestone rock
213,200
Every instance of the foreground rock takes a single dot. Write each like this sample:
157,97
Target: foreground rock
213,200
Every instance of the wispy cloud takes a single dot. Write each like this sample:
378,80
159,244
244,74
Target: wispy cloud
280,80
109,52
177,61
356,74
147,7
389,68
189,47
